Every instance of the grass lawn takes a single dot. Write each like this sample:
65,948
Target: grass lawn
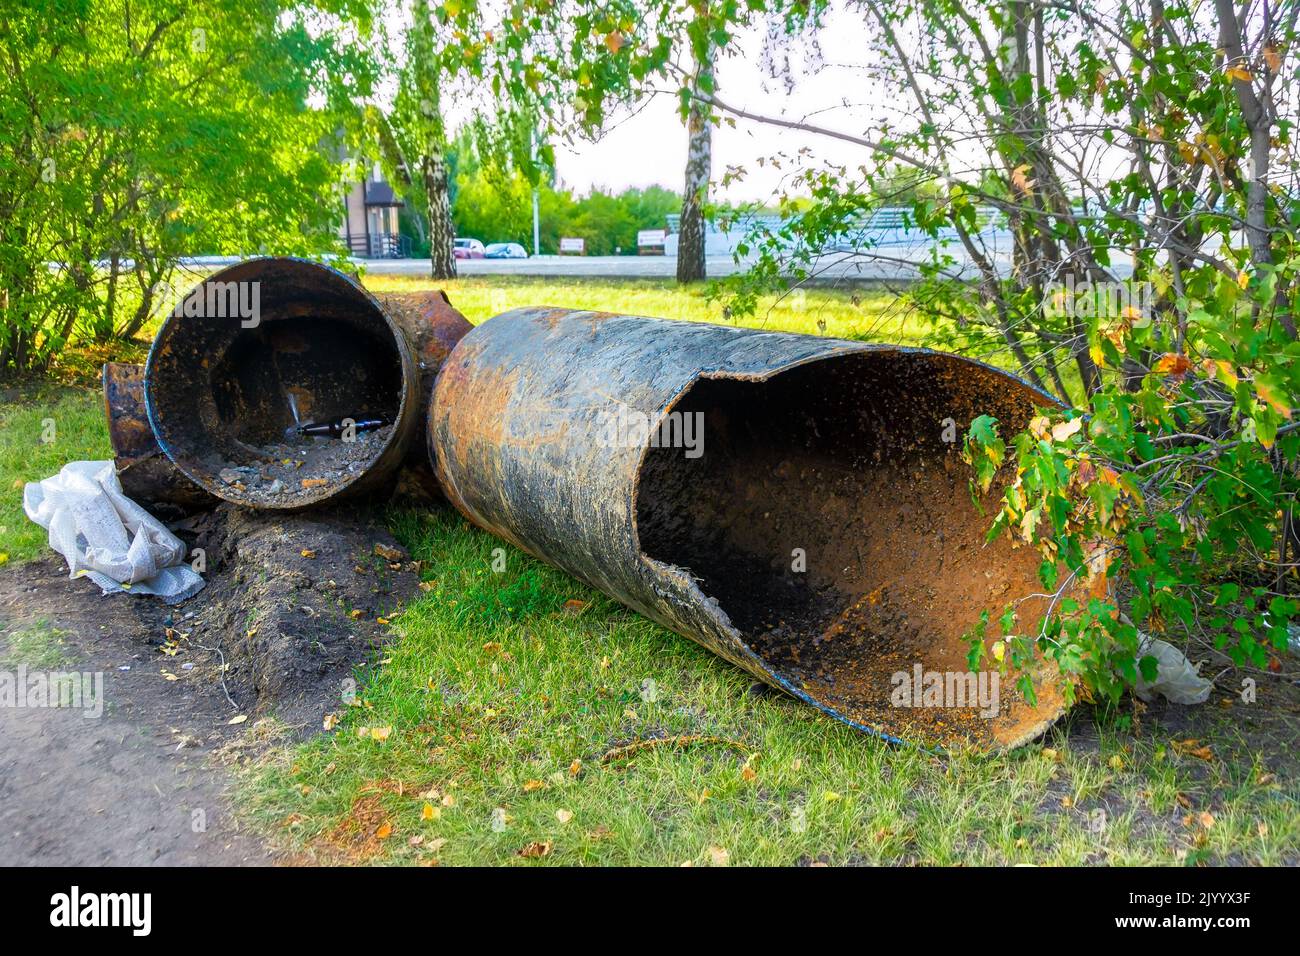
490,732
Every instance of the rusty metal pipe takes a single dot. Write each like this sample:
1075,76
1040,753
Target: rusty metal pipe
795,504
146,474
269,344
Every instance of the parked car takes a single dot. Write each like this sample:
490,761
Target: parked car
467,249
505,250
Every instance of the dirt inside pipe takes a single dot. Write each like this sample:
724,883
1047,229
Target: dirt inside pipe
830,516
229,397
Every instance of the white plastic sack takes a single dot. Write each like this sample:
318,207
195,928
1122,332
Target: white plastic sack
106,536
1176,679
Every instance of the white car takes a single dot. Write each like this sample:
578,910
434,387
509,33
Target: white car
505,250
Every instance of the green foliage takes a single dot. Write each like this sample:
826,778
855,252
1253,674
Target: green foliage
132,134
497,207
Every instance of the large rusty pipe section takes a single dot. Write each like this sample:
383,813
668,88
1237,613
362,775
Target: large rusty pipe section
795,504
269,345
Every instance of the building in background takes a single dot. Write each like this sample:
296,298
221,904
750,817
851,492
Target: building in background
370,219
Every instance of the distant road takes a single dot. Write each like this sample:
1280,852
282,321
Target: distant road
832,267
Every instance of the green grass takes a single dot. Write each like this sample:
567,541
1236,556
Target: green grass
865,314
495,687
38,645
39,434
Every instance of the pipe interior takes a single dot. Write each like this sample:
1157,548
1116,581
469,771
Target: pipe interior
225,398
834,525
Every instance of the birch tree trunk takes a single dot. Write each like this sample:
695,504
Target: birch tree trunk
699,155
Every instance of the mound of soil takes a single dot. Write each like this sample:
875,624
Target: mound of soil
291,609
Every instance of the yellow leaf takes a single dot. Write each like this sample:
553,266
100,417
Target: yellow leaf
614,41
385,830
1238,72
1205,819
1172,363
1272,59
1020,178
237,720
747,774
1269,394
307,553
830,796
1116,762
380,733
531,785
1063,430
330,721
564,816
430,812
575,768
719,856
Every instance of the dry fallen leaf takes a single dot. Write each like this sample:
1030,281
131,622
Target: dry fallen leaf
380,733
307,553
237,720
573,606
385,830
719,856
536,849
564,816
389,554
575,768
531,785
330,721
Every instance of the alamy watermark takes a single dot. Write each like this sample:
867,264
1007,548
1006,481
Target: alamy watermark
949,689
629,428
73,690
224,300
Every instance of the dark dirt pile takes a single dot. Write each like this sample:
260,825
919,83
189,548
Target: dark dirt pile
293,601
291,609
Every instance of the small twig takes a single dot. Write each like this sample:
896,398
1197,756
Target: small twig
679,742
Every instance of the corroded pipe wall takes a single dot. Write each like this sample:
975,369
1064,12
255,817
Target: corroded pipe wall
793,503
268,344
427,320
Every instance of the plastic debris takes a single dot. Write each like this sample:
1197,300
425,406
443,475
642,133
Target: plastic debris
107,537
1177,680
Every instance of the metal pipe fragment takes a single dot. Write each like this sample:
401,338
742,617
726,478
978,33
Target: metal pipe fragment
261,349
147,476
795,504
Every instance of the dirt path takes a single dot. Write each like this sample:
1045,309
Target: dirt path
110,792
138,784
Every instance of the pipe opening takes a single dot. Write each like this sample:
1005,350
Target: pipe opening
234,396
830,516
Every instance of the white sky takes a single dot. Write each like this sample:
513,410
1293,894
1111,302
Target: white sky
649,147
